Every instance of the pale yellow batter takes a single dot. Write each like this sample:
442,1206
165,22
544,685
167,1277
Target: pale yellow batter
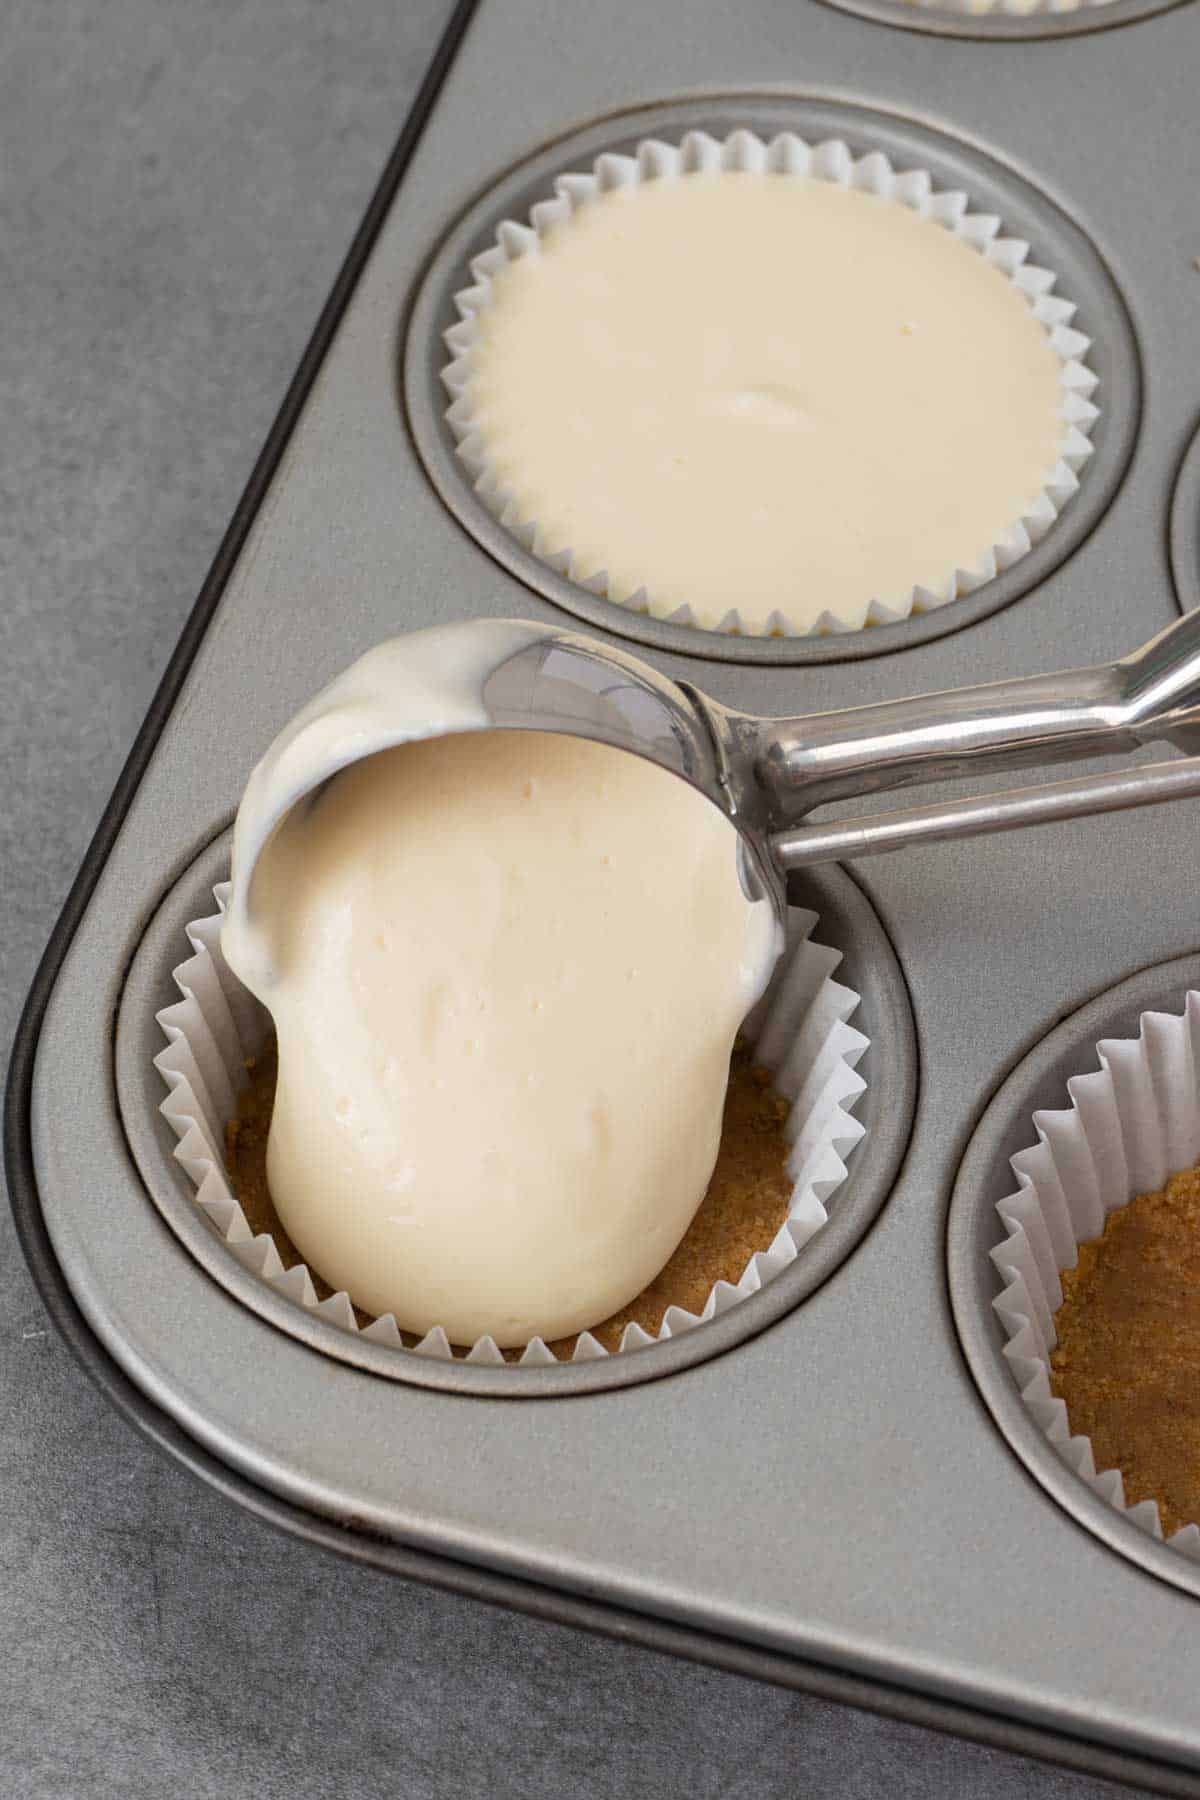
506,970
764,392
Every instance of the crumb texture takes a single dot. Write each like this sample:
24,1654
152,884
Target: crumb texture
1128,1358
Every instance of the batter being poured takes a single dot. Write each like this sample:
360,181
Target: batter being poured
506,970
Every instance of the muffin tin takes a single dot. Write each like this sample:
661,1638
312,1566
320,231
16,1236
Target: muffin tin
829,1498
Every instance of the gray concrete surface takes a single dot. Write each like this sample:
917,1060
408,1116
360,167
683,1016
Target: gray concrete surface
179,180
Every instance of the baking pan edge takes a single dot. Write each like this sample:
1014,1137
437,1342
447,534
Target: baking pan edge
536,1601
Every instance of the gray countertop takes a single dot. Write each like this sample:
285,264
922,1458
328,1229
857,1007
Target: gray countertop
180,179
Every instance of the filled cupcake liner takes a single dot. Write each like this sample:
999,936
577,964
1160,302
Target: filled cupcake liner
799,1030
1132,1124
786,154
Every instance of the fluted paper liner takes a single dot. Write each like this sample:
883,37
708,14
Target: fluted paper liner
1132,1124
831,161
800,1031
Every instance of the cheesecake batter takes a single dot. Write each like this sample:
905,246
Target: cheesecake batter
506,971
765,392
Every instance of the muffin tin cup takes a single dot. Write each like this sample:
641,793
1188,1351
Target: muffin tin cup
785,154
1003,21
956,165
1121,1064
799,1030
1132,1123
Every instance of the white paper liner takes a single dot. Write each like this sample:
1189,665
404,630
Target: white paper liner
1131,1125
832,161
799,1031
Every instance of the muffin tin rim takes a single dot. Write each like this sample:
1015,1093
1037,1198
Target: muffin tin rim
1087,278
1003,28
889,1104
973,1226
1183,529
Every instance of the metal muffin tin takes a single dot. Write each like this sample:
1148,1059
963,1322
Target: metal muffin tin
829,1501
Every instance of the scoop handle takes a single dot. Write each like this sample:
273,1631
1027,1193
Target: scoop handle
1154,694
978,816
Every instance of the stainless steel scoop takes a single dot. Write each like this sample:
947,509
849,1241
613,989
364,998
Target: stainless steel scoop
767,775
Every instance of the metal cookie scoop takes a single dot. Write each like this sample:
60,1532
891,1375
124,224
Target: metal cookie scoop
766,775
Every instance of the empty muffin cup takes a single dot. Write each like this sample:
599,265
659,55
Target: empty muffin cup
799,1032
699,481
1133,1124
